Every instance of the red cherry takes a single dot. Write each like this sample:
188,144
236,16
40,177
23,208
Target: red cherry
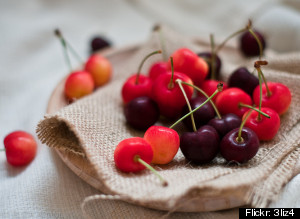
20,148
79,84
265,128
157,69
189,63
228,101
209,87
132,90
170,99
126,152
279,100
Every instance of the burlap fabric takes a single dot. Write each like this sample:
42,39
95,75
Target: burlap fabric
94,125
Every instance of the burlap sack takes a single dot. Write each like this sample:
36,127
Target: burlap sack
94,125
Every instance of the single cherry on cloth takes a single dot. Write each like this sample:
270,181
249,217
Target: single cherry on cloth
228,101
244,80
157,69
78,84
249,44
189,63
168,94
265,128
138,85
141,112
209,87
20,148
133,155
202,115
201,146
164,142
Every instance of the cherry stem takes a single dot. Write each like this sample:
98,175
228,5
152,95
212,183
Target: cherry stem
64,45
2,149
171,83
219,89
179,82
239,139
253,108
257,65
260,96
205,94
162,41
142,63
67,44
213,56
149,167
258,42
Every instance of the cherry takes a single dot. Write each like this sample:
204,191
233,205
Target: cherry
141,112
202,115
20,148
189,63
209,86
201,146
249,44
137,85
265,128
100,69
244,80
233,149
229,101
207,56
168,94
157,69
164,142
273,95
133,155
225,124
78,84
98,43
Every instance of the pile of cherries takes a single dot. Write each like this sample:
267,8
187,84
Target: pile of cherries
230,119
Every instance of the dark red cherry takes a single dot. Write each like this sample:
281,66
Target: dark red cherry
217,64
239,151
244,80
141,112
202,115
201,146
99,42
249,45
227,123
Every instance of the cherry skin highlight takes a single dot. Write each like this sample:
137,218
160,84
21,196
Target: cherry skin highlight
201,146
78,84
233,150
157,69
141,113
100,69
244,80
170,99
189,63
265,128
279,100
164,142
128,150
20,148
132,90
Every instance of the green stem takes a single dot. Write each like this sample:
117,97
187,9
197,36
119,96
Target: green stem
138,159
228,38
257,65
64,45
213,56
79,59
239,138
171,83
260,95
205,94
2,149
253,108
258,41
162,42
220,87
187,102
142,63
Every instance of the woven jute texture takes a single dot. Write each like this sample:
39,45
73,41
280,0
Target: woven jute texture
93,126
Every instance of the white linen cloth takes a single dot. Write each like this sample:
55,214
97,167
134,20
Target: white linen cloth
32,64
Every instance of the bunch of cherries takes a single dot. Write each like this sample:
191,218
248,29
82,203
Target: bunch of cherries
230,119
